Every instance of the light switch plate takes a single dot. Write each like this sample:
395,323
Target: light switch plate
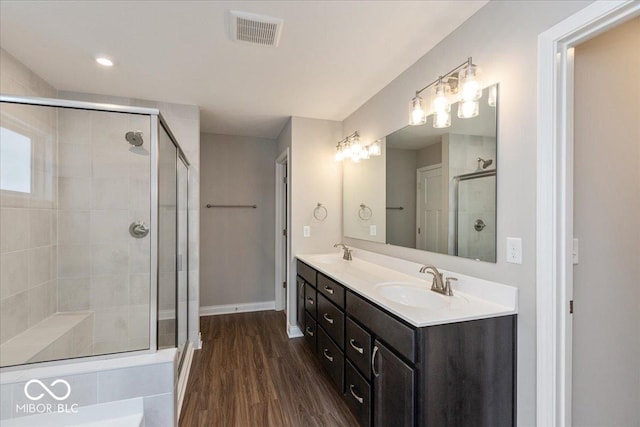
514,250
373,230
576,252
306,231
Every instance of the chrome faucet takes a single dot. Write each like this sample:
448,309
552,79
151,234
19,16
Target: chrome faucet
436,283
347,252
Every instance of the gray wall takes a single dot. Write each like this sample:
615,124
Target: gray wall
315,177
502,38
606,292
401,192
237,244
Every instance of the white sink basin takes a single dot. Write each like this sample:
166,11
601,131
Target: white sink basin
412,295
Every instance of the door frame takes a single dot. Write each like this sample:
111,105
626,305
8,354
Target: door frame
554,234
418,171
282,162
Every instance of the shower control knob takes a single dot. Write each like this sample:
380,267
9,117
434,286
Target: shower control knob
138,229
479,225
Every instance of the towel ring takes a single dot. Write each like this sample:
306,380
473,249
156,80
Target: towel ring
320,212
365,212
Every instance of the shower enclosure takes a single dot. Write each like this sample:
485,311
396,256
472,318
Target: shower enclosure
93,231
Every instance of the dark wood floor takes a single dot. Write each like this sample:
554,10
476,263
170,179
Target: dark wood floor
249,373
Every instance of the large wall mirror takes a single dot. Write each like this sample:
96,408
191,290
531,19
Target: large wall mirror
432,189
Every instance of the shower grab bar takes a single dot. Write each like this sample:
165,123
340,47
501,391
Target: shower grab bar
232,206
399,208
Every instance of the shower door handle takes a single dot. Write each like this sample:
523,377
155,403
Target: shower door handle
138,229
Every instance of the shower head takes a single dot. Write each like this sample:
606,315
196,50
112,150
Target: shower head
134,138
483,164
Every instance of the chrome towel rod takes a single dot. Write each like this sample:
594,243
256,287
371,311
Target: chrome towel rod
399,208
232,206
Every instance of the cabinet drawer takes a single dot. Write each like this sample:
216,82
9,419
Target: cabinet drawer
331,289
358,348
310,299
306,272
398,335
310,331
331,358
357,393
331,319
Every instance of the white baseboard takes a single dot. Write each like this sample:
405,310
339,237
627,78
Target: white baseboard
294,332
214,310
184,376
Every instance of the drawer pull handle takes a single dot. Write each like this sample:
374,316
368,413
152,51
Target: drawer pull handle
310,301
373,361
329,290
327,318
352,342
309,331
353,393
328,356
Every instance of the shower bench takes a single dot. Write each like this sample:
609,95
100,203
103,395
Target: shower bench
59,336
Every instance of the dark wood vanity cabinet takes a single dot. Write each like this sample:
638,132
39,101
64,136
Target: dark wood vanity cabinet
300,303
394,385
394,374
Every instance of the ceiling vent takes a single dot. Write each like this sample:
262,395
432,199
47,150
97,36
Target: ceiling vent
255,29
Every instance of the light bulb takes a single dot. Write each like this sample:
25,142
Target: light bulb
468,109
365,153
440,101
470,85
418,115
346,151
104,61
442,120
493,96
356,147
355,157
375,149
339,155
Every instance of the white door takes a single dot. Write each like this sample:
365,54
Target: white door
429,208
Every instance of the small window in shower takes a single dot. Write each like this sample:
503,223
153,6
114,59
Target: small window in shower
15,161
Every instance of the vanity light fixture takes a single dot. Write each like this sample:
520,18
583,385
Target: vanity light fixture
461,82
375,148
352,148
418,114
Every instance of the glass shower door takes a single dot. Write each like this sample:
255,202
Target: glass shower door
183,255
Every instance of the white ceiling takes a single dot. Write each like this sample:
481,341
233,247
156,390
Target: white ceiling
333,55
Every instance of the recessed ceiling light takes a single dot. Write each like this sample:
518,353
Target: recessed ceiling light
104,61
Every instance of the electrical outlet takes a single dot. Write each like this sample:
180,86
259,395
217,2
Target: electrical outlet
373,230
306,231
514,250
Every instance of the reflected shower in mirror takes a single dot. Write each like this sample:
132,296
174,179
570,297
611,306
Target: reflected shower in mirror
438,187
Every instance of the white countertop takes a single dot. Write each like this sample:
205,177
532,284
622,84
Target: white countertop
368,273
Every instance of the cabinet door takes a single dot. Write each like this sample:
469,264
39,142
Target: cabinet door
300,299
394,389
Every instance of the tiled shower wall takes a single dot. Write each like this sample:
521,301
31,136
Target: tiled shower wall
28,285
103,188
479,202
184,121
